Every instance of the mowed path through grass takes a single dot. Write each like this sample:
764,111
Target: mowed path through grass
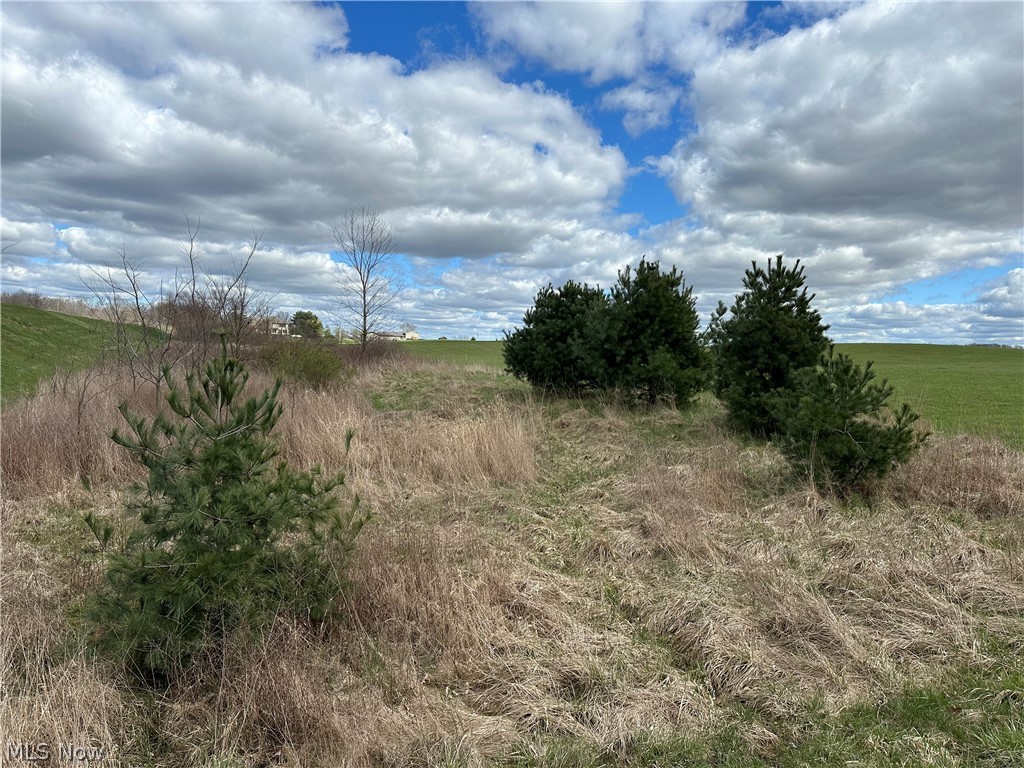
979,390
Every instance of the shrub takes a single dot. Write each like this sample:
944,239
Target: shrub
654,350
771,333
224,537
836,424
315,364
562,342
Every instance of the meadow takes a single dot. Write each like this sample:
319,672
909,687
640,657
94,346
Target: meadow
546,582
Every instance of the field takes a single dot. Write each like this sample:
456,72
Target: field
976,390
462,352
545,582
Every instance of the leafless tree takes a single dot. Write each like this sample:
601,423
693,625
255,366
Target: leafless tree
181,322
370,286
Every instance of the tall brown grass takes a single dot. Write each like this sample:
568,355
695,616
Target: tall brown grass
533,571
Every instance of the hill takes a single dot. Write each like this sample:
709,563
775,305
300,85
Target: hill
36,343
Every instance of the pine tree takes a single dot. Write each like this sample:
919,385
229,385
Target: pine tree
836,424
771,333
654,349
561,344
226,535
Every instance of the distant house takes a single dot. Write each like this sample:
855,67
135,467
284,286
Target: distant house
396,335
278,328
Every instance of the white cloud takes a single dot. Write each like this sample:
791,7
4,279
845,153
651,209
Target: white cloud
1005,297
118,120
882,147
607,40
888,110
646,105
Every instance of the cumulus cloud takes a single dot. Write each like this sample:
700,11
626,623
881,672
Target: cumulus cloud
881,146
858,115
119,119
1004,297
646,105
609,40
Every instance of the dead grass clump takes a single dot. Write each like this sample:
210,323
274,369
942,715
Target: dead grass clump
426,587
54,439
49,692
70,703
303,699
983,477
670,506
395,452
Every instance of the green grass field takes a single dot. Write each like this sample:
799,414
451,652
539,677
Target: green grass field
464,352
957,389
35,343
979,390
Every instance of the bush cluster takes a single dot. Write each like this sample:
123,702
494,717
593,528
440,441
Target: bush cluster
224,536
316,364
640,338
834,423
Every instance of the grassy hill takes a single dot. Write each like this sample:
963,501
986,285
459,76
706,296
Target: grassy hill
35,343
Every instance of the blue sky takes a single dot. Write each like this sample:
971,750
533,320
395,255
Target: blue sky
510,145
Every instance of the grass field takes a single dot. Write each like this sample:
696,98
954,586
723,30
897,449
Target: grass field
462,352
35,343
548,583
977,390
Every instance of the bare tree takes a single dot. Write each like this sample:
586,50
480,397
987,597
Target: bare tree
180,322
370,286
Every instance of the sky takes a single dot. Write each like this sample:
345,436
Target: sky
510,145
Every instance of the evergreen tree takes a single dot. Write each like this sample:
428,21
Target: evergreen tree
307,325
654,350
771,333
226,536
561,344
836,424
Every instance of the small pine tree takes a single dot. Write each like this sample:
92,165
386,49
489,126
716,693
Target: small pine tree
835,423
226,536
771,333
654,350
561,344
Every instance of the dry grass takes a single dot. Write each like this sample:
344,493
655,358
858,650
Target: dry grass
534,571
982,477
